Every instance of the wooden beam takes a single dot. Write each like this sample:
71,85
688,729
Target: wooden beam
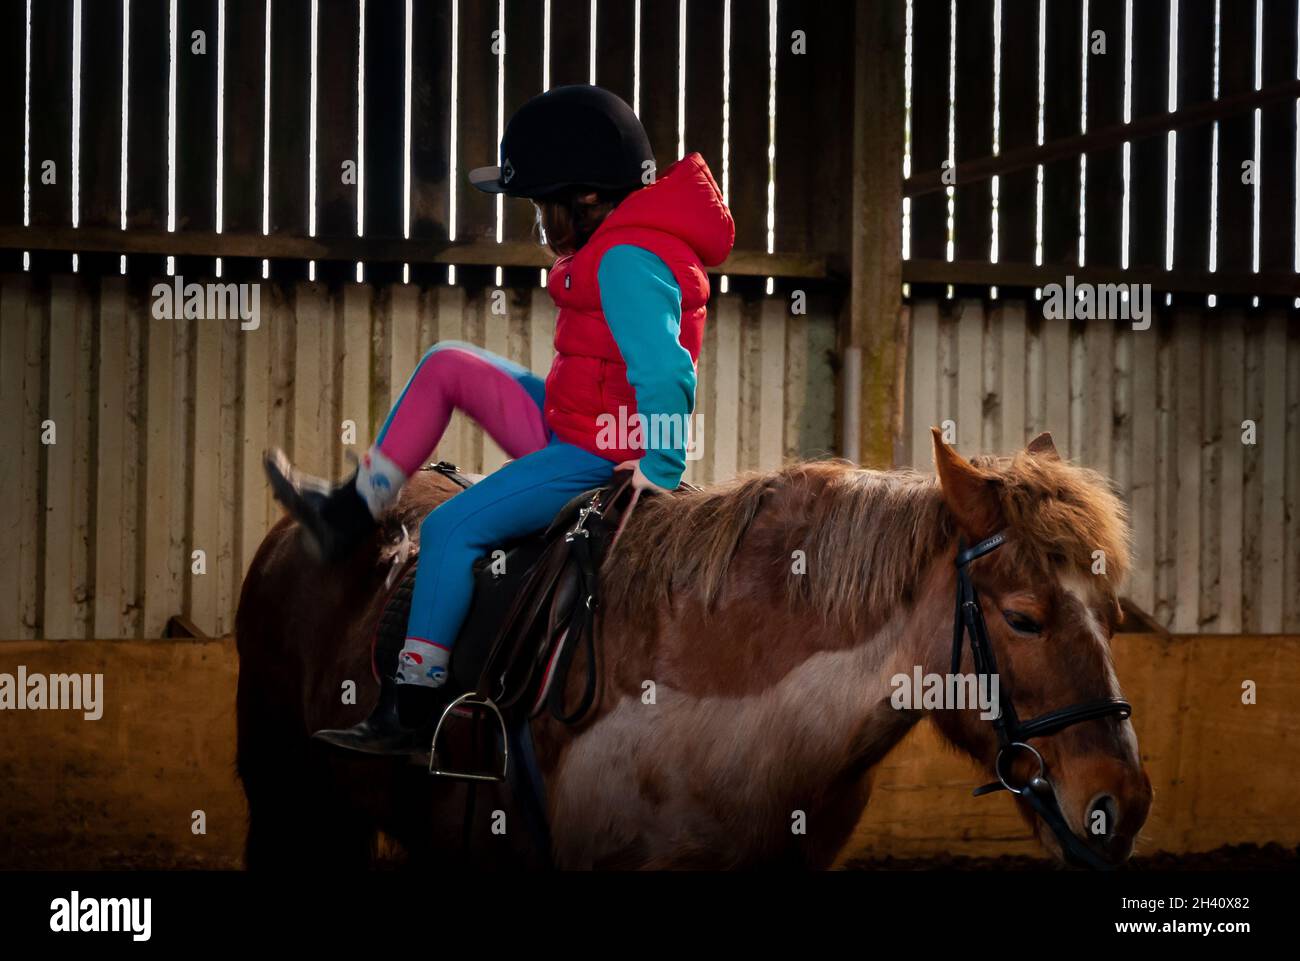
871,420
1026,157
982,273
369,249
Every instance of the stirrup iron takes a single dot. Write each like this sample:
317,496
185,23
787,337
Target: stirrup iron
474,701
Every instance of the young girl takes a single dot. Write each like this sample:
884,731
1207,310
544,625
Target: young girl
631,290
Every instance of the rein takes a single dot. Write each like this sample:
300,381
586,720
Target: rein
1013,734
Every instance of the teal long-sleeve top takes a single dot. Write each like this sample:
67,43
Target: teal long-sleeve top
642,304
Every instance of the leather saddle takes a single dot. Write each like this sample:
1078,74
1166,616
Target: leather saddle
533,607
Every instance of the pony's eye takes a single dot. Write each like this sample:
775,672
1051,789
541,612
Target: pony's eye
1022,623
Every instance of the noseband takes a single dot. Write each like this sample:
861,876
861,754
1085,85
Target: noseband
1013,733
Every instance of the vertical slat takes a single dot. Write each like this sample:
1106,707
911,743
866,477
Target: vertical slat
1165,561
1147,166
703,80
282,351
51,131
969,408
724,426
772,398
930,69
431,121
242,141
1018,128
403,340
1195,145
973,228
290,121
1142,491
1212,443
660,46
229,575
1232,404
477,113
1291,576
338,33
255,392
1061,119
496,338
67,464
616,46
112,550
1273,466
313,357
1056,384
1236,141
21,327
1012,390
750,136
541,319
523,81
991,364
355,343
146,190
101,124
13,68
1122,437
385,126
196,126
165,563
1103,223
1187,552
794,389
923,380
570,41
205,502
1099,410
1277,199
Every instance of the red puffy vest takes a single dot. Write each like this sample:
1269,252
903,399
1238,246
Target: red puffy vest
680,218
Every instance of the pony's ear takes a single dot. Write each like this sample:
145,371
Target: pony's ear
1042,446
970,493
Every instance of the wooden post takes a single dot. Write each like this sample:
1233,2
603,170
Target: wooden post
874,329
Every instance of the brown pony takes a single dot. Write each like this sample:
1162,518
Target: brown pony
748,636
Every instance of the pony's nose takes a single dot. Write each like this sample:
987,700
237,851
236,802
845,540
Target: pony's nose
1103,815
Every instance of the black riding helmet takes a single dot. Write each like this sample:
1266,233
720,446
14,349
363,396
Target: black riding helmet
577,135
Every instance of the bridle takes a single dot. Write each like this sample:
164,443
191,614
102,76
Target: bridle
1013,733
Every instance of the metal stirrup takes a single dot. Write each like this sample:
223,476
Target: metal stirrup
473,700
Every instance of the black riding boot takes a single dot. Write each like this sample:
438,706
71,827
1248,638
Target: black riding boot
401,722
335,517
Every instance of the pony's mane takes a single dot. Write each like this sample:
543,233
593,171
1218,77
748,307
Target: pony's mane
867,536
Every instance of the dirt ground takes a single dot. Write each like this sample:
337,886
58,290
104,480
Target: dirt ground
1235,857
63,854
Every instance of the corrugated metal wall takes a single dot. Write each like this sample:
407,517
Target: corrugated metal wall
1161,411
160,425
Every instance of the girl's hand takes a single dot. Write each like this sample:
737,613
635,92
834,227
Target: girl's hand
639,481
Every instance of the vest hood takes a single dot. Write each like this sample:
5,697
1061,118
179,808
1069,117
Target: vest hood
684,201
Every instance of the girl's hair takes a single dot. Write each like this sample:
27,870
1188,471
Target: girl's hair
568,221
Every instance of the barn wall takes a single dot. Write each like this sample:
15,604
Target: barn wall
1216,520
160,425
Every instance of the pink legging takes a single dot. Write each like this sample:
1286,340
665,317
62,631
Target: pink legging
504,398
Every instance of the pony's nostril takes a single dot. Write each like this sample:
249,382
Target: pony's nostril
1103,812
